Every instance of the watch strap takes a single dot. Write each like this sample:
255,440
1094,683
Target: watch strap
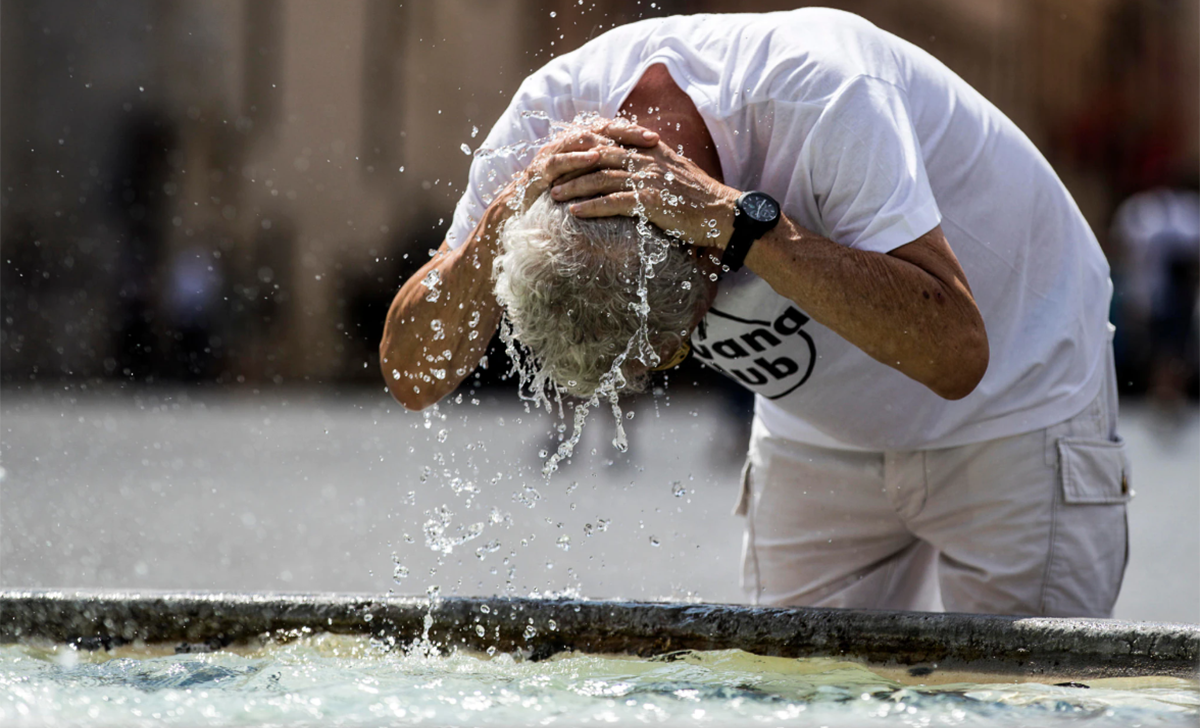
738,248
746,231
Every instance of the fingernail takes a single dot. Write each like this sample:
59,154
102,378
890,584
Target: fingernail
648,135
555,191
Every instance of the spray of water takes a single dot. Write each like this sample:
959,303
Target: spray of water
442,534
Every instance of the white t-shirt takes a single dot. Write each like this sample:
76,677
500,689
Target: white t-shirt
871,142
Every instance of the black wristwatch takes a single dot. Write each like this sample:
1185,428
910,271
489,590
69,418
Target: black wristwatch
757,213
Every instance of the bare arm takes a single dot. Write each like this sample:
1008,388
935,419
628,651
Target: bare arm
432,342
911,309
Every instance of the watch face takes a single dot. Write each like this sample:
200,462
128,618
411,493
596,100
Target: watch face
760,207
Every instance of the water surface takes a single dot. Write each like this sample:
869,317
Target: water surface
355,681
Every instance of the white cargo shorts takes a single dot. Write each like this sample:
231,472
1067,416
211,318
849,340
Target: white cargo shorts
1032,524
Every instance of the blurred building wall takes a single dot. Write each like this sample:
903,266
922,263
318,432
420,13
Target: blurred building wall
231,190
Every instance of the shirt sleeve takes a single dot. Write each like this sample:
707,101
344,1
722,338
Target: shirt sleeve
867,171
504,153
523,128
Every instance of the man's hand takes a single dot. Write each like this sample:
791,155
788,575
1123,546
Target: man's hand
574,153
667,188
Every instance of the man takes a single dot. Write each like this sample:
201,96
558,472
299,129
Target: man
1159,234
913,296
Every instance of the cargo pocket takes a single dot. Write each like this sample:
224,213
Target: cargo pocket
1090,542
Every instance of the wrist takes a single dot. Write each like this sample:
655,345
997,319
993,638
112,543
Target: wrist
757,213
486,237
722,213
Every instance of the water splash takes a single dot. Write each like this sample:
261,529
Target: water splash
536,386
432,283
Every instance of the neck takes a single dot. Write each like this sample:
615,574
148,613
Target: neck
660,105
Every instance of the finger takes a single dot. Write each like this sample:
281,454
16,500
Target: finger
572,175
563,163
616,204
613,157
577,164
600,182
579,141
625,132
606,158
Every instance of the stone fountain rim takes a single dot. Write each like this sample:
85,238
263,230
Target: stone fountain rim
1016,646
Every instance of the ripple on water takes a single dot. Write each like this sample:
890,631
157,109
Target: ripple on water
357,681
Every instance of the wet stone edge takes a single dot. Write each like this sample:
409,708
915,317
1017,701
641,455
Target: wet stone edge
539,628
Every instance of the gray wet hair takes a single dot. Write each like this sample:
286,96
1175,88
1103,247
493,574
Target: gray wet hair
569,289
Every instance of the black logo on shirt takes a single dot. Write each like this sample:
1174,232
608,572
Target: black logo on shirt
773,358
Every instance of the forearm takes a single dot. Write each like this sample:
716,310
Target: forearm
432,342
909,310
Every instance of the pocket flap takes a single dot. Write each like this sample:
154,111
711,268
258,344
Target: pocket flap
1093,471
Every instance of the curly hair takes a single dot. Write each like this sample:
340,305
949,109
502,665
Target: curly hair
569,287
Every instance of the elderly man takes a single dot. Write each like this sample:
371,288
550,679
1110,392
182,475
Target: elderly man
908,289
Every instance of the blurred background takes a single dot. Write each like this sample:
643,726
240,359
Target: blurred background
206,207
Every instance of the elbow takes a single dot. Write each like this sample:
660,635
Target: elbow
413,401
963,371
400,385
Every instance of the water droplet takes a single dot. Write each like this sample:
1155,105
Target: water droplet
553,14
485,609
530,632
442,435
432,281
677,489
465,149
481,553
552,625
479,630
564,543
653,541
